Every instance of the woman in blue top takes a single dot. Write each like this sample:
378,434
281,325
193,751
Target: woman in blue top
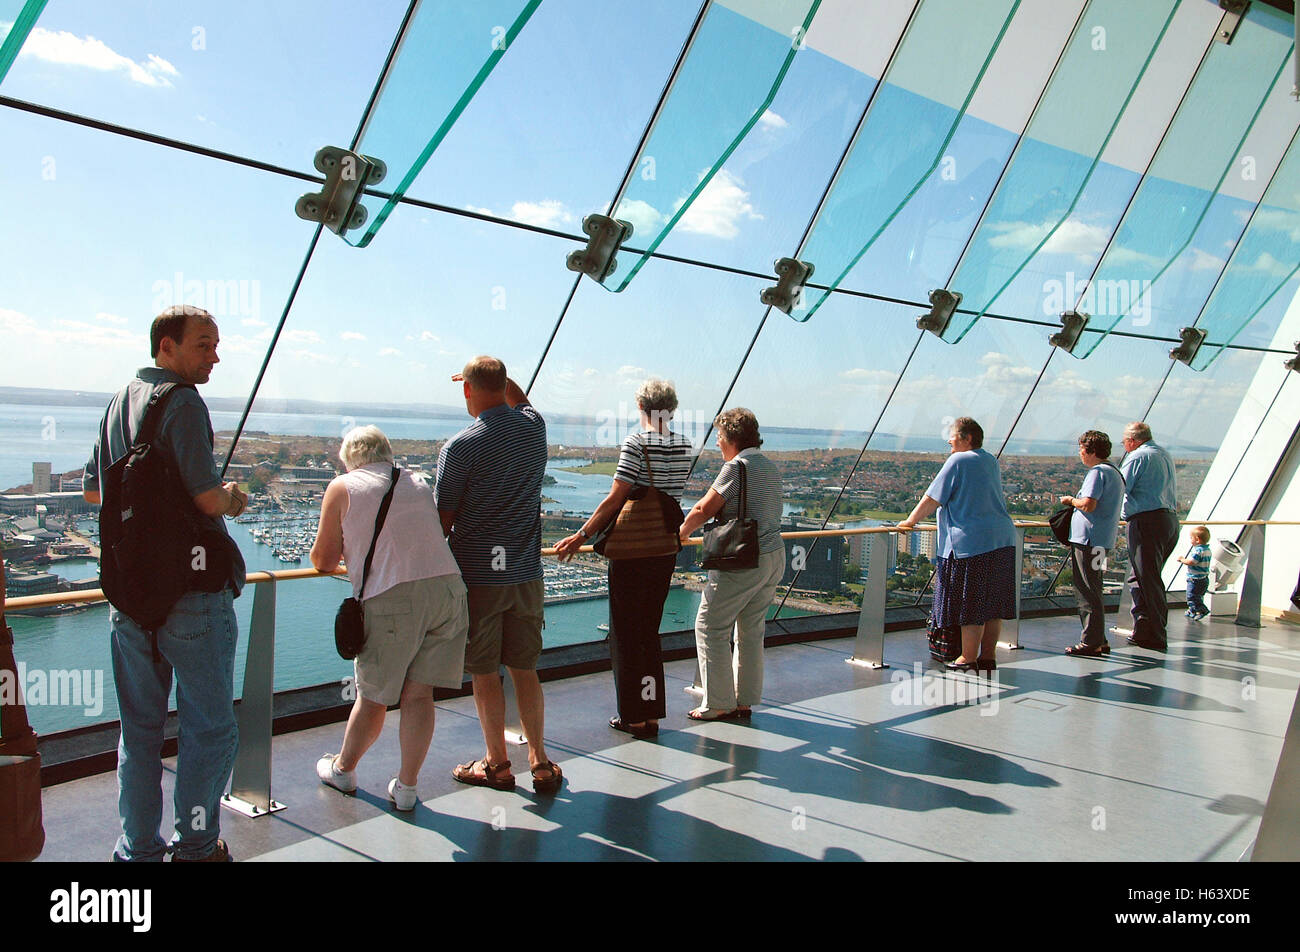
974,581
1093,528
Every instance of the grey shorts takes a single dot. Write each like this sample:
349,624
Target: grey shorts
414,631
505,627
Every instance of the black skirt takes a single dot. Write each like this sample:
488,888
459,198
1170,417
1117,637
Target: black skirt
974,590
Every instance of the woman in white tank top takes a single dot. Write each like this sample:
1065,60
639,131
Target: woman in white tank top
414,601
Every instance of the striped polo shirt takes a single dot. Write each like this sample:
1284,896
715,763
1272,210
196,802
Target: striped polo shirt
670,461
1200,559
762,496
490,476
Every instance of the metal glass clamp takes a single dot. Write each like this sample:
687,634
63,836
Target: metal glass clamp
942,305
604,236
1192,337
1072,325
337,206
1233,11
792,274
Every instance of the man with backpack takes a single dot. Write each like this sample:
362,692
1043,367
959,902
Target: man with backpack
163,502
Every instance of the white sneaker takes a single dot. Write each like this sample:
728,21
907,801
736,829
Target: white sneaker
403,797
344,781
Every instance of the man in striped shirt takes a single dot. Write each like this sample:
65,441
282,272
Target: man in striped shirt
489,497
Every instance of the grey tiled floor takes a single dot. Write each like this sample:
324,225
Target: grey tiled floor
1134,757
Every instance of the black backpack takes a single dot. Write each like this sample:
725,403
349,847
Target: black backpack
155,545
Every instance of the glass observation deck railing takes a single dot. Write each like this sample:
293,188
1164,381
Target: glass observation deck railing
251,780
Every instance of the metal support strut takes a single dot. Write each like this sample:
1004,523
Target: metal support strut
250,782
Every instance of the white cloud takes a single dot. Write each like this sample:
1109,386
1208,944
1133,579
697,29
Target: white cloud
312,357
68,49
480,210
719,209
1004,377
628,370
591,372
25,335
544,214
301,337
351,335
1072,237
110,318
389,352
253,322
645,218
1204,261
1266,262
872,378
429,337
770,120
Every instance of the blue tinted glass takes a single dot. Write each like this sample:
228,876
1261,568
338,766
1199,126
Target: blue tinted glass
916,111
1198,151
711,108
1061,147
447,52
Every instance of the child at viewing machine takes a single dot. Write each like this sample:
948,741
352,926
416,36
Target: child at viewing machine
1198,573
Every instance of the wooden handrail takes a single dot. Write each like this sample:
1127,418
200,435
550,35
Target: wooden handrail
254,578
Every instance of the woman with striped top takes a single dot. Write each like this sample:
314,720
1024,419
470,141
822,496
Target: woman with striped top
738,599
639,587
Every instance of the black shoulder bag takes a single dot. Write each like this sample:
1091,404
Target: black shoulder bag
730,546
1060,520
350,622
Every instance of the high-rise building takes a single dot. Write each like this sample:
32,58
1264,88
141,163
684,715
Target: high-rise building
40,477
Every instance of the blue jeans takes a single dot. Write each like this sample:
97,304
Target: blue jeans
1196,588
198,644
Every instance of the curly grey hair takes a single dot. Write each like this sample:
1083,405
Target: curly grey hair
656,396
365,444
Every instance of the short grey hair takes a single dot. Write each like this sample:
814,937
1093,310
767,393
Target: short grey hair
656,396
365,444
1138,431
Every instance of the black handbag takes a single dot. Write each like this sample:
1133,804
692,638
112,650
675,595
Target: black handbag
1060,523
1060,520
731,546
350,622
945,643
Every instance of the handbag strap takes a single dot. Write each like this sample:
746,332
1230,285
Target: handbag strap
646,453
741,513
379,524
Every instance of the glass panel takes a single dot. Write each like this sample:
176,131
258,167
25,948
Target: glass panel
76,311
446,54
1263,263
1221,106
711,108
365,344
545,143
607,346
902,140
1061,148
16,21
815,410
272,81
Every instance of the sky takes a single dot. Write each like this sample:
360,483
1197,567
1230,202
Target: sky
102,232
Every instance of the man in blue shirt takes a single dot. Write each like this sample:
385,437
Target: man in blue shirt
197,642
1150,508
489,497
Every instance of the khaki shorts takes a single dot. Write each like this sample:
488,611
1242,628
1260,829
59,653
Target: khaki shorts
505,627
414,631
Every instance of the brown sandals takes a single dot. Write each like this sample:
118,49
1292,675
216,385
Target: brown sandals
491,776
